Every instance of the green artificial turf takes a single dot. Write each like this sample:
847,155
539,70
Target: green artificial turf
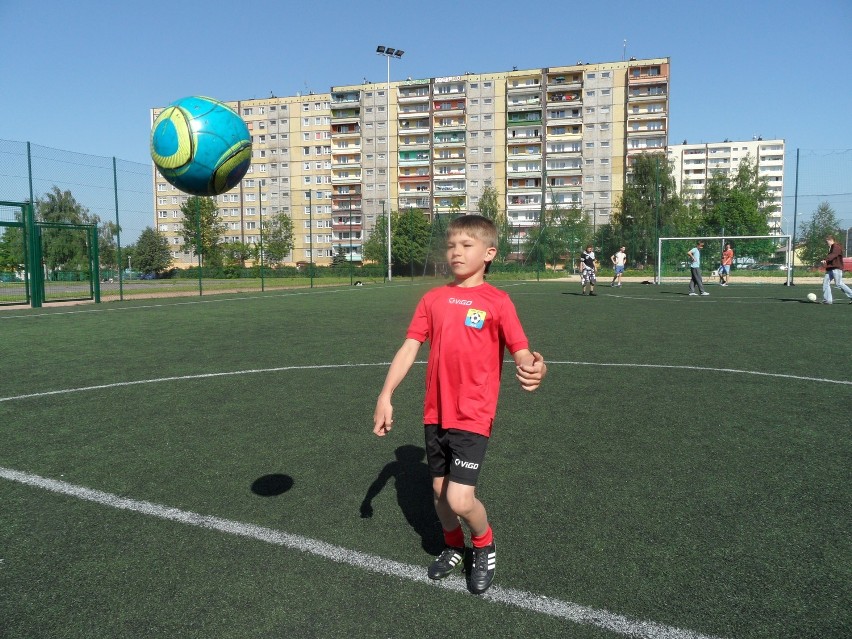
638,480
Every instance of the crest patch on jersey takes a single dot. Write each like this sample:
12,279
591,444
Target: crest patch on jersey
475,318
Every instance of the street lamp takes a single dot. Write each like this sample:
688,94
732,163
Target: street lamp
389,52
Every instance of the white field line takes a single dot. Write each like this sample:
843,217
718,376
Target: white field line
566,610
328,366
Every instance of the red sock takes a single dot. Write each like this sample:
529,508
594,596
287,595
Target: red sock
483,540
454,538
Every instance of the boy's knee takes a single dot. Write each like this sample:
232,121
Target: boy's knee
461,502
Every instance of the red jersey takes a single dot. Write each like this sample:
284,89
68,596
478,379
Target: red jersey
467,329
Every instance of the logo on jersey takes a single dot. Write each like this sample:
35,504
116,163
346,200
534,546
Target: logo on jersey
475,318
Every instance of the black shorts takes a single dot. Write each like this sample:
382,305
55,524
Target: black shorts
456,453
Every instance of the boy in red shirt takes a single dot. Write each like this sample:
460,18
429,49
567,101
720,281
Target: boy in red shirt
468,324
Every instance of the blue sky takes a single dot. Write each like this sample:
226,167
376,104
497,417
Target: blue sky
83,75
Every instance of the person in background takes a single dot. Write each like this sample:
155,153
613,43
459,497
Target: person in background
588,270
727,262
694,255
833,263
618,261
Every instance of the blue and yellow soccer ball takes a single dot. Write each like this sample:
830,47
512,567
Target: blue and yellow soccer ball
201,146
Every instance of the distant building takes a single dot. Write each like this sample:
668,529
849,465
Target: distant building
558,136
695,163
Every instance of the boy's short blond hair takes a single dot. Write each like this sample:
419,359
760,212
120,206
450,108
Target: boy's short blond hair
476,226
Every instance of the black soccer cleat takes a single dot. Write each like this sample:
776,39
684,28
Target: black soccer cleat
446,562
482,568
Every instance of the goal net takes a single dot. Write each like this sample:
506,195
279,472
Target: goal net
758,259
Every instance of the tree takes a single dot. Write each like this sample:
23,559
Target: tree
560,232
339,257
812,233
201,217
151,253
489,204
107,245
410,238
739,204
236,254
277,238
11,248
64,248
650,202
376,247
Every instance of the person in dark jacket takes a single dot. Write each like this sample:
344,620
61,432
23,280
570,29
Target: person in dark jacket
833,271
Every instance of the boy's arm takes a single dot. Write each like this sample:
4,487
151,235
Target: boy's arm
531,368
402,361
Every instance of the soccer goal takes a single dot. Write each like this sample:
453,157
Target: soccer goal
758,259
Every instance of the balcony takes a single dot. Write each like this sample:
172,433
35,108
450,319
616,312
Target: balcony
347,178
523,119
414,189
448,123
337,165
345,130
413,97
569,97
450,172
563,81
443,158
341,116
345,227
346,97
414,202
533,184
449,187
452,107
410,127
557,168
523,103
448,88
523,84
413,113
425,176
646,95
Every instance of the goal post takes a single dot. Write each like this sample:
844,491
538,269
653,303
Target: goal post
758,259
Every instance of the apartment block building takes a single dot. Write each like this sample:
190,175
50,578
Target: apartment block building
542,138
694,164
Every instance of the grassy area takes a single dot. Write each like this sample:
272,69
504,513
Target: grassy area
686,462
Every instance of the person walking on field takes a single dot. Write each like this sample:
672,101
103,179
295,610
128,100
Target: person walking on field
694,255
618,260
727,262
588,270
468,324
833,271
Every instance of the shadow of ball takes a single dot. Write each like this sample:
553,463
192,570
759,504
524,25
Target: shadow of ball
272,485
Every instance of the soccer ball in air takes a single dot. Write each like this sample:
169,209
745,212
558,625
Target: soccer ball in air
201,146
811,297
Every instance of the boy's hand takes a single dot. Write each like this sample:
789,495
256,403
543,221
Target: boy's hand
383,417
530,375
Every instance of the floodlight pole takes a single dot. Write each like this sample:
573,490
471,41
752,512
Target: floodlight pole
389,52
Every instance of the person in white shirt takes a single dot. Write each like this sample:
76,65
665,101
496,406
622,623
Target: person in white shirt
618,260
